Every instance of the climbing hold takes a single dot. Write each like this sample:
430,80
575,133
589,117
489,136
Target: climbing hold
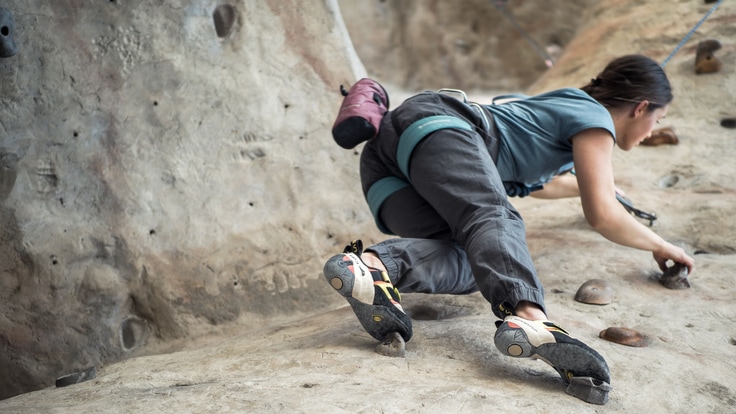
77,377
393,346
625,336
595,292
662,136
675,277
133,332
705,60
224,17
728,123
7,32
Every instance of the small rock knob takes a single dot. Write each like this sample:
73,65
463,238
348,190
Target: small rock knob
595,292
705,60
7,33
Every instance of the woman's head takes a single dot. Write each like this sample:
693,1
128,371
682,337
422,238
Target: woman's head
629,80
636,91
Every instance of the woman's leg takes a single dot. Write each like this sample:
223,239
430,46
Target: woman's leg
474,238
459,196
423,265
453,171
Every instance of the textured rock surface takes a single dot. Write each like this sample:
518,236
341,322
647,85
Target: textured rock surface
163,166
156,244
470,45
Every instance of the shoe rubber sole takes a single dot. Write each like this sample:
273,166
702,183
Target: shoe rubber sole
372,304
350,277
579,365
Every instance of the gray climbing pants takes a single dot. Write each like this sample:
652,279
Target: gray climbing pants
458,231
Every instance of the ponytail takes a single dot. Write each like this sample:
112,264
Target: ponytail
631,79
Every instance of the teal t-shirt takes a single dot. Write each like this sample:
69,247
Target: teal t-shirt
535,133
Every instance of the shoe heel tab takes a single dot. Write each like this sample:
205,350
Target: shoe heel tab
355,246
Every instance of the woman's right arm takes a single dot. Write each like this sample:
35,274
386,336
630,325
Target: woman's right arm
592,156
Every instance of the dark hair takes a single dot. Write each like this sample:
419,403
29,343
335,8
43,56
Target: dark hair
631,79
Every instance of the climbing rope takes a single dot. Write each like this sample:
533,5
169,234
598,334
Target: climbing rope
501,6
690,33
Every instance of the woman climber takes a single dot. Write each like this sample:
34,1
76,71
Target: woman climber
438,174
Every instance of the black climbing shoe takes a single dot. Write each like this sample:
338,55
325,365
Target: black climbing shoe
580,366
374,299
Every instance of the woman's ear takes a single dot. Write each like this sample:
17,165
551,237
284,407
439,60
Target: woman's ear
641,108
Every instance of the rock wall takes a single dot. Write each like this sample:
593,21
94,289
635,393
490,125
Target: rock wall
474,45
166,168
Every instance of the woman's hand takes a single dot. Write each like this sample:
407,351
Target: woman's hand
677,254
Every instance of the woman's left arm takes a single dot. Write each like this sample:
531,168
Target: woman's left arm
592,156
561,186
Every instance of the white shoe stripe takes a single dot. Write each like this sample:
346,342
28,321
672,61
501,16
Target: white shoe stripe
363,289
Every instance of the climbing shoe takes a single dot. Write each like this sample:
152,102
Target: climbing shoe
580,366
369,291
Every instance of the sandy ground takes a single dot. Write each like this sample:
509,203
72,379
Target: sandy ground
326,362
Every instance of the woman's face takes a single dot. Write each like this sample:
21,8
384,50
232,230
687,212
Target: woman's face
640,125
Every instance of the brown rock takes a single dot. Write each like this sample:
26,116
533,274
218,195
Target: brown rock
595,292
625,336
705,60
662,136
675,277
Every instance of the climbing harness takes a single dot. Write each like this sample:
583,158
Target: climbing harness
378,193
413,135
474,105
500,5
690,33
417,131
